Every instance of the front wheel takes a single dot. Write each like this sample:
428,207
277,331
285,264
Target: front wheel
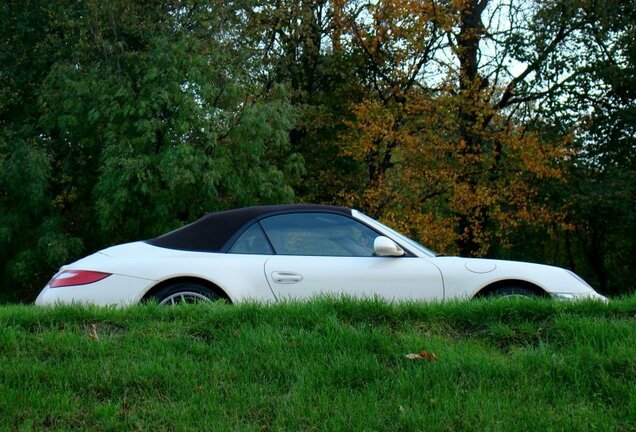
184,292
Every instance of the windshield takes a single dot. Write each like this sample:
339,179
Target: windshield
396,235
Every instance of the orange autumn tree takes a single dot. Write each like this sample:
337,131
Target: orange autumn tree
447,150
435,182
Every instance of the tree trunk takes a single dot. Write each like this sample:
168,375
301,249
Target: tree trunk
471,85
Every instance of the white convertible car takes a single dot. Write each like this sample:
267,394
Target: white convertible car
271,253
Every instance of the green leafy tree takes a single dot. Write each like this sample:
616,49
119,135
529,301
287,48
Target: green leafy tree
594,100
125,119
305,49
601,194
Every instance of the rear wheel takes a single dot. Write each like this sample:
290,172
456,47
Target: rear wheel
512,291
184,292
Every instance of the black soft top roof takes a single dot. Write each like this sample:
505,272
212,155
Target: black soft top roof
213,231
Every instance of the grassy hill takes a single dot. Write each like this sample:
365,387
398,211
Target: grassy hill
333,364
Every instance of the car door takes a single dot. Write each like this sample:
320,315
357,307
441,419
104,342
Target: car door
325,253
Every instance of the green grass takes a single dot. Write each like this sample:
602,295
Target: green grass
504,365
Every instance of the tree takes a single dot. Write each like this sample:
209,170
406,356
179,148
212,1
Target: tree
589,93
444,133
123,120
439,123
601,108
304,49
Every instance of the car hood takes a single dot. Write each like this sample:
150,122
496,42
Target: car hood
474,274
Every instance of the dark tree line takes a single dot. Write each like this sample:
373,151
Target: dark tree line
481,127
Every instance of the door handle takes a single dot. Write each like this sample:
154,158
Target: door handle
286,277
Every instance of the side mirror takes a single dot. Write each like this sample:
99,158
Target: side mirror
384,246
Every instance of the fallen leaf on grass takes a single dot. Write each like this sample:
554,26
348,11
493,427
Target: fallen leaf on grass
93,332
423,355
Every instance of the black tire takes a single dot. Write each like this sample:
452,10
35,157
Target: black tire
512,291
184,292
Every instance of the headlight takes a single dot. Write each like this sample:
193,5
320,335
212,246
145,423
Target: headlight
592,295
564,296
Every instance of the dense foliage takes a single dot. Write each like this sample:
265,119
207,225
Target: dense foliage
121,120
480,127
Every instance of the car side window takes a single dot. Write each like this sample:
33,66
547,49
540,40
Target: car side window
252,241
318,234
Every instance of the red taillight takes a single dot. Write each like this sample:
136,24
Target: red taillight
76,277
